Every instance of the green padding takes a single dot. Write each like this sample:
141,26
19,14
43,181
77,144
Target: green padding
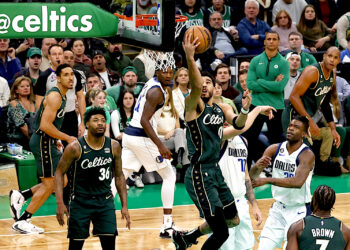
26,170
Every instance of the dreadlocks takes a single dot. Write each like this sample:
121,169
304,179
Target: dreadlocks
323,198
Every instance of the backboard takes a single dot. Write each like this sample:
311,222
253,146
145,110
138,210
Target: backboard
160,37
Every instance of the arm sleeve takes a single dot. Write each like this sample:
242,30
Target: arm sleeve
115,120
79,86
40,86
326,108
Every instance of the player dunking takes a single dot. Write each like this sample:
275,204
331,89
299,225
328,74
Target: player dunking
94,159
292,167
43,144
320,230
204,181
142,147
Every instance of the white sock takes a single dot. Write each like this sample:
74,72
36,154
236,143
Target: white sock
167,219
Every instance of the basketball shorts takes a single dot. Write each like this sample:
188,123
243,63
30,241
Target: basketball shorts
96,209
207,188
280,218
241,236
46,154
141,151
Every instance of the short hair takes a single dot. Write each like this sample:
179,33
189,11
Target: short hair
242,72
94,111
295,33
222,65
215,12
92,75
323,198
61,67
251,1
207,74
54,45
304,120
272,32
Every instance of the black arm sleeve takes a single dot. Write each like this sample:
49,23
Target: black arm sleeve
326,108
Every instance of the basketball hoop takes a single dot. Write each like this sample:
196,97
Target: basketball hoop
149,23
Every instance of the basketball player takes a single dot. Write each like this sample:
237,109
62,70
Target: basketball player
43,144
94,159
292,168
204,181
142,147
312,91
319,230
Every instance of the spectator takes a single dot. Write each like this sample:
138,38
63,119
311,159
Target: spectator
293,7
68,58
295,41
252,30
224,44
115,58
326,10
93,81
97,98
9,64
81,61
267,77
140,62
169,131
343,30
4,92
34,60
229,15
46,43
108,77
129,77
283,26
244,65
196,15
317,36
218,98
22,49
294,64
223,76
180,92
241,86
21,112
265,12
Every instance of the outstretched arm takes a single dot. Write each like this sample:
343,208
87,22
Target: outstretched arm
307,161
263,162
120,181
71,153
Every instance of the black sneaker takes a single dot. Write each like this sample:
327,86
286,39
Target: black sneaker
179,240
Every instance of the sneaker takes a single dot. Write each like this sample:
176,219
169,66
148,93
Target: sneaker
166,230
138,182
16,203
215,64
179,240
26,227
127,187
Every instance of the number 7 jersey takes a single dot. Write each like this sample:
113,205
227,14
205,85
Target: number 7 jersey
285,166
93,171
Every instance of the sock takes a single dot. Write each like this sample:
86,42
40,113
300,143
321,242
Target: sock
193,235
167,219
25,216
27,194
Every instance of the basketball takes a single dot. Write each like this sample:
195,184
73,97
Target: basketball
204,37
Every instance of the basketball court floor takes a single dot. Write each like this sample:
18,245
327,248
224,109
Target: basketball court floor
146,218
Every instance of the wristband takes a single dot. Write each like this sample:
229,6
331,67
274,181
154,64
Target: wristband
244,112
234,124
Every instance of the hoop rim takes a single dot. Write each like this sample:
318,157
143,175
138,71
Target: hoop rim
144,20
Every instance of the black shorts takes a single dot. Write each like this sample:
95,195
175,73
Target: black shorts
98,210
208,190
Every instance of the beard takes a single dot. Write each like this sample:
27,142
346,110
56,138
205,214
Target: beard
206,99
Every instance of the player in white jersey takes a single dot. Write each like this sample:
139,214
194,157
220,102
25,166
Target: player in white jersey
292,168
233,162
142,147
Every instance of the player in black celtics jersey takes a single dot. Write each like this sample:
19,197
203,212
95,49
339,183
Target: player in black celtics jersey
94,160
204,181
319,230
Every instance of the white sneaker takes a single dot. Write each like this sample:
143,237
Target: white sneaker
16,203
26,227
127,187
166,231
138,182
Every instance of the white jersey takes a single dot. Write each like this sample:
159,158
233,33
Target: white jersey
233,163
284,166
140,104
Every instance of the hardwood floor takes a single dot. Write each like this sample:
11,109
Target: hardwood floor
144,233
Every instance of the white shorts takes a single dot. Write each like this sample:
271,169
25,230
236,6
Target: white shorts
241,237
141,151
279,219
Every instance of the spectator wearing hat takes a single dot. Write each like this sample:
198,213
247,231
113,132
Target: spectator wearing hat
294,60
108,77
129,77
34,60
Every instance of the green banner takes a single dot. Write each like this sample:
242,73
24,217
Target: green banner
41,20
